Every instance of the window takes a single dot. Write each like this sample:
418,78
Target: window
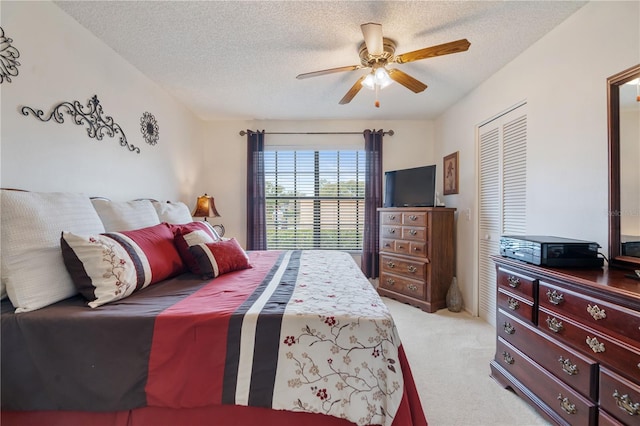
314,199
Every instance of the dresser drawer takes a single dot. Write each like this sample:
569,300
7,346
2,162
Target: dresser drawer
411,248
515,282
388,245
566,402
604,419
413,270
414,219
391,218
620,397
391,231
414,233
606,349
593,312
573,368
517,305
402,285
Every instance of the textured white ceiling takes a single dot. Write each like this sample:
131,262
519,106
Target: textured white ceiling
239,59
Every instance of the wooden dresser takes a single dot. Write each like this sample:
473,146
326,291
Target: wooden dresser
417,256
568,341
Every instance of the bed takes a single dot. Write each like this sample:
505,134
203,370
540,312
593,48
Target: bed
298,337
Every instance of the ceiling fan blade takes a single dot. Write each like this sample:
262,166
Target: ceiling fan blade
407,81
373,38
353,91
430,52
328,71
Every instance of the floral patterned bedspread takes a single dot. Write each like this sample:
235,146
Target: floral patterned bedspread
338,345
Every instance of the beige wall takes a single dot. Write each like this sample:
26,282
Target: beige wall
62,61
562,78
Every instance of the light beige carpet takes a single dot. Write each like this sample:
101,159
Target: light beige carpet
449,354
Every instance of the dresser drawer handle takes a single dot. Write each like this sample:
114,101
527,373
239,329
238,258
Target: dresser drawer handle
596,312
508,358
554,297
391,264
508,328
413,217
625,403
413,232
392,230
554,325
392,217
387,245
595,346
412,287
566,405
513,281
417,249
391,281
412,269
567,367
513,303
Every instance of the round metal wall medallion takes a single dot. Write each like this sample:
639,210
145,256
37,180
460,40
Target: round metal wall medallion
149,128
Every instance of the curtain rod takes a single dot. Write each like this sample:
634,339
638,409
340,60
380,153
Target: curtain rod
243,133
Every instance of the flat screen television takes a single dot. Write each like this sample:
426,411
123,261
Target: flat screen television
415,187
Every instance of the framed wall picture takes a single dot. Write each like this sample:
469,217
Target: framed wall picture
451,185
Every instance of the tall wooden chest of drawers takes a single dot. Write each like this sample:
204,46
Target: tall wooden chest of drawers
568,341
417,257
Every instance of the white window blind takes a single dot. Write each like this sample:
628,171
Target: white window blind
314,199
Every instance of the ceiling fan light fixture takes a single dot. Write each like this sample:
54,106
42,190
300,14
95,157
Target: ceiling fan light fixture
369,81
382,77
378,78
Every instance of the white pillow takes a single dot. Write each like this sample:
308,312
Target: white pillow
174,213
33,270
118,216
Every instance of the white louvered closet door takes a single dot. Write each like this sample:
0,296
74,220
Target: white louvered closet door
502,196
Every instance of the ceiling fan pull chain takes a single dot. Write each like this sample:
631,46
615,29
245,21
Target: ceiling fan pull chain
377,103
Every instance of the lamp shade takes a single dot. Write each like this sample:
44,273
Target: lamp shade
205,207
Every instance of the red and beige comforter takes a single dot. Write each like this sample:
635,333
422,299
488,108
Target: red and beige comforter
301,331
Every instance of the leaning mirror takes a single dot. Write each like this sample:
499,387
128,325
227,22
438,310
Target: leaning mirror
624,168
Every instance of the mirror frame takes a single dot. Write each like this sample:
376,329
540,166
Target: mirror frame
616,259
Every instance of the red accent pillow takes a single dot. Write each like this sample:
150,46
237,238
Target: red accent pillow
191,234
219,258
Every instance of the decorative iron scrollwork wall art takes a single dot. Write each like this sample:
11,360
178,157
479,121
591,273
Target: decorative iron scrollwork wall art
149,128
98,125
8,58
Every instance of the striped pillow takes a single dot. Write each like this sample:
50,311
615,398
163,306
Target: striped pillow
219,258
32,268
111,266
189,235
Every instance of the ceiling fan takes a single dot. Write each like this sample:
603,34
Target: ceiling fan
376,52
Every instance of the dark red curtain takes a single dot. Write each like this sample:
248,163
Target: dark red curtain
373,200
256,210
